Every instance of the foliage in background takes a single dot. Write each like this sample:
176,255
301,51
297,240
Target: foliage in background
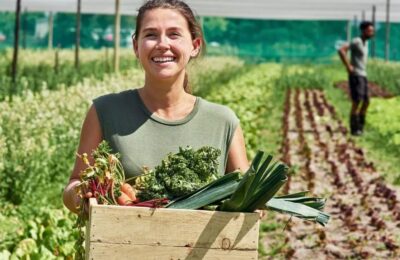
386,74
383,135
302,76
36,70
385,117
252,96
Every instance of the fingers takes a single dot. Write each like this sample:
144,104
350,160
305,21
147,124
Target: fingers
261,213
88,195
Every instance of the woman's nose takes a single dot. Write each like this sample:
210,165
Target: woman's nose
163,43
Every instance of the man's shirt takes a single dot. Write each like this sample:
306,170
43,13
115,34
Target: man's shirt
359,54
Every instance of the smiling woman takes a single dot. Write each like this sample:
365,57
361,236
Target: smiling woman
144,125
182,32
164,45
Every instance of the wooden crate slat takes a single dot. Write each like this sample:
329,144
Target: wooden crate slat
171,227
105,251
115,232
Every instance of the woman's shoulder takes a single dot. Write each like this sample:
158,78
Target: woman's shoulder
115,101
116,96
218,110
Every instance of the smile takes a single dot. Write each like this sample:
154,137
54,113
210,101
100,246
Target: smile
163,59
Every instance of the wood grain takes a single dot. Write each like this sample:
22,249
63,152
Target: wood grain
170,233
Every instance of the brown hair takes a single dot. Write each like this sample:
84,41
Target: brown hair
194,26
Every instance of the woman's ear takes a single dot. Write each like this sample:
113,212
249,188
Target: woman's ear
196,47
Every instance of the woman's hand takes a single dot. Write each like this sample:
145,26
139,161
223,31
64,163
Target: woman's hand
86,197
261,212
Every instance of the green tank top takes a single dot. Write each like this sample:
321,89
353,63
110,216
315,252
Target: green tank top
143,139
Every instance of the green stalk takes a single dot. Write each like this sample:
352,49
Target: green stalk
206,197
257,186
233,176
259,176
293,195
266,193
240,192
298,210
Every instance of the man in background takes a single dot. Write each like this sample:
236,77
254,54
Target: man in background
358,82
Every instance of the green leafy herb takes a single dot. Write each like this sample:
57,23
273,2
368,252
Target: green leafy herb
180,174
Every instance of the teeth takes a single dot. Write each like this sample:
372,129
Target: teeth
163,59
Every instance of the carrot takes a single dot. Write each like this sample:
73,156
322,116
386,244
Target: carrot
128,190
124,199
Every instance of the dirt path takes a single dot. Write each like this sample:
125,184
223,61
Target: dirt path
374,90
365,212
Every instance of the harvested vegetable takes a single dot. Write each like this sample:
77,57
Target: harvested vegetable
129,191
216,191
258,185
102,180
124,200
255,190
188,180
179,174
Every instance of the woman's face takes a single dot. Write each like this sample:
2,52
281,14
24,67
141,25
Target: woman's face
164,44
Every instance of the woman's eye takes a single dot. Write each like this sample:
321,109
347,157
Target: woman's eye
150,35
175,34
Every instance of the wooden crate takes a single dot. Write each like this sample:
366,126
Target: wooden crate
115,232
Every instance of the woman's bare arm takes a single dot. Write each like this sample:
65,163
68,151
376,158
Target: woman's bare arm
237,158
91,136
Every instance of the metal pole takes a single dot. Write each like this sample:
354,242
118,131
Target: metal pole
117,26
50,43
348,31
387,43
15,54
107,66
24,28
77,38
356,23
57,59
363,16
373,43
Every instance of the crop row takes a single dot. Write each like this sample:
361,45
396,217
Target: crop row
357,197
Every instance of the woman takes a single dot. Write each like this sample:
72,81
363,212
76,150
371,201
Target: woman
146,124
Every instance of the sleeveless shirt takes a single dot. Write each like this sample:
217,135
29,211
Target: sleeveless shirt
142,139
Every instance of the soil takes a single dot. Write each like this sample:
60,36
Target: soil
364,210
374,90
